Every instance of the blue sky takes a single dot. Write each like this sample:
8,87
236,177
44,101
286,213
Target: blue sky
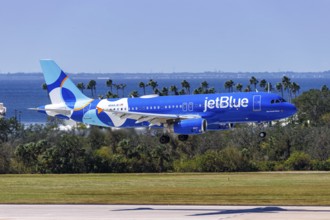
165,36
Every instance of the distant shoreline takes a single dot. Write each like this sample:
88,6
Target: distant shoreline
179,75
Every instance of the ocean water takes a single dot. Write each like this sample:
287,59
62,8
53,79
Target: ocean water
19,92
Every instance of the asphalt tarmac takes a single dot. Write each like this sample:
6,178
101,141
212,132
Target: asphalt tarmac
130,212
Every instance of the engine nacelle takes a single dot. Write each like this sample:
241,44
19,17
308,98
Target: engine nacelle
221,126
190,126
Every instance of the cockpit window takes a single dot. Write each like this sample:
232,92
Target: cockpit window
280,100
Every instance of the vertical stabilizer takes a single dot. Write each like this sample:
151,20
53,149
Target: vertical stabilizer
60,88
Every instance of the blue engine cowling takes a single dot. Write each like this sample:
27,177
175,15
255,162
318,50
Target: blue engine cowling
190,126
220,126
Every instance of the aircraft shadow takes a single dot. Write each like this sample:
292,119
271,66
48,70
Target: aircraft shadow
268,209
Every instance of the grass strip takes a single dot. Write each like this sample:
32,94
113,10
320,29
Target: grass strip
307,188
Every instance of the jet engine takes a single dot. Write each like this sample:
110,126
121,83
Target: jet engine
190,126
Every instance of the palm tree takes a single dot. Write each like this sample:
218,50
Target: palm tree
247,89
199,90
229,84
153,85
182,92
279,87
239,87
122,87
185,84
142,85
156,91
44,86
134,93
211,90
295,89
263,84
111,95
174,89
254,81
81,86
324,88
286,81
109,84
287,86
92,86
117,87
164,91
204,85
89,87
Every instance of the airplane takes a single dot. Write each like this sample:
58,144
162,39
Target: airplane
183,115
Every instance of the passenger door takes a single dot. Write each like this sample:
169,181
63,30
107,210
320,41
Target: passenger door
256,103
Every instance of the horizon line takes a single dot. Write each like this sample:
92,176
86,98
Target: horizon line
183,72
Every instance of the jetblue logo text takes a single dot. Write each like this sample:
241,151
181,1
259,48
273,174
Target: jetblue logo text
225,102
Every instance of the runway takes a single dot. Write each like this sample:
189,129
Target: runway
130,212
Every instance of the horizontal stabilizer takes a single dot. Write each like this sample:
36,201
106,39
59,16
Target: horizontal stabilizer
58,111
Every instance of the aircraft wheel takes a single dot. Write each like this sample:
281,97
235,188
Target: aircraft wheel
164,139
262,134
183,137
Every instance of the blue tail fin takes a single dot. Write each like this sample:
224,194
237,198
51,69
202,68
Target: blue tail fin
60,88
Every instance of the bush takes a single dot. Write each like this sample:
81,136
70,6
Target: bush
226,160
265,165
320,165
186,165
298,161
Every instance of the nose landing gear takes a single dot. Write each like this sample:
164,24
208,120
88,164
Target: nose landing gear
262,134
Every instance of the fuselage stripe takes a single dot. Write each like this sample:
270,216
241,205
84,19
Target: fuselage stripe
63,81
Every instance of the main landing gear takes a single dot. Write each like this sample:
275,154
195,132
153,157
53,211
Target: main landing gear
165,139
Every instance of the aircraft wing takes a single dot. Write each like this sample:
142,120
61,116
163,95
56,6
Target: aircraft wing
152,118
